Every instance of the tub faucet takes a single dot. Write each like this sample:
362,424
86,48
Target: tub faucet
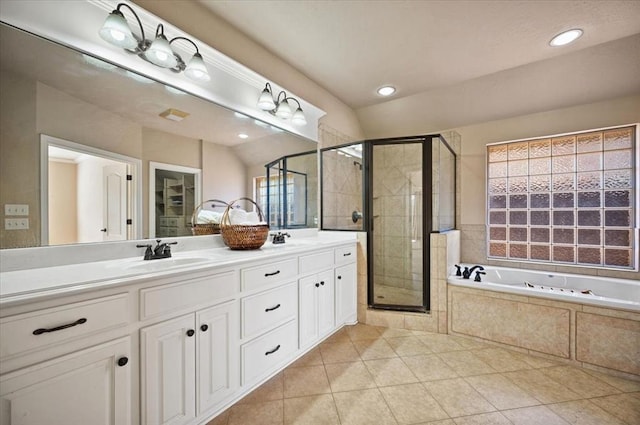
478,278
466,273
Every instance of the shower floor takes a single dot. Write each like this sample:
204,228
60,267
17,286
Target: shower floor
385,294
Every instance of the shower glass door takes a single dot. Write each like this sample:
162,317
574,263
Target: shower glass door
396,225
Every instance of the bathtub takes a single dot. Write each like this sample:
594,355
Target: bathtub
590,290
589,321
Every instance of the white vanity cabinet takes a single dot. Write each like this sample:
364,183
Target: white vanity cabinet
346,275
90,386
317,316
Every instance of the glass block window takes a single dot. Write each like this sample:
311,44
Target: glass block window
569,199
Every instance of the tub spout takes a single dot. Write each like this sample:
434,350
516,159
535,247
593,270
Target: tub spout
466,273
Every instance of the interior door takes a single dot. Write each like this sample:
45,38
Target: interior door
114,217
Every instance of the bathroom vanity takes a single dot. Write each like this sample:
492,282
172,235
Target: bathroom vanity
170,341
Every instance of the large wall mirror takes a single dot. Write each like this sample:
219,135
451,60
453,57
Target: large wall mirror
53,91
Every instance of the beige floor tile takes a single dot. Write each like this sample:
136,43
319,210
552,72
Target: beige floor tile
534,361
624,385
442,422
469,343
412,404
429,367
545,389
465,363
221,419
440,343
579,381
393,332
501,392
501,360
312,358
339,352
494,418
361,331
390,372
273,389
303,381
312,410
339,336
268,413
370,349
583,412
408,346
458,398
363,407
538,415
623,406
349,376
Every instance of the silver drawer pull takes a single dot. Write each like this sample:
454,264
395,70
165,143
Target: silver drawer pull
266,310
272,351
59,328
272,274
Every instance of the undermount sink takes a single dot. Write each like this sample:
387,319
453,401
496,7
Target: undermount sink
165,263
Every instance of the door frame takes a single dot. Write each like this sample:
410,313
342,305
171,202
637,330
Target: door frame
134,195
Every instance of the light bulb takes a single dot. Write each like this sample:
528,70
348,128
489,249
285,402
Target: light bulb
116,31
298,117
265,101
160,53
283,110
196,69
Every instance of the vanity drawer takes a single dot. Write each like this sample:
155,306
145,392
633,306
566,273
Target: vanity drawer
279,271
345,254
39,329
171,221
190,293
262,355
316,261
262,311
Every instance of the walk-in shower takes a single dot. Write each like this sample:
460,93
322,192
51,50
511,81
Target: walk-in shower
397,191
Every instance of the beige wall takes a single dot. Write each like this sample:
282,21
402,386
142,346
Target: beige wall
198,21
224,175
63,214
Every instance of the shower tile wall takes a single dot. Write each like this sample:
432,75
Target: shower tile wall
397,174
342,190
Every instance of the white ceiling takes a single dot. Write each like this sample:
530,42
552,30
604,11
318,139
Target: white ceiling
353,47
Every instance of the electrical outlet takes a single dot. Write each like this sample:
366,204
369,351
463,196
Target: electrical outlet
16,223
16,209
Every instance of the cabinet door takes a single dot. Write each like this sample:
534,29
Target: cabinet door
218,353
86,387
326,303
308,309
168,372
346,294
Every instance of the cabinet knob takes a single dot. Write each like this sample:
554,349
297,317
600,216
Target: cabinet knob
317,285
322,282
122,361
204,328
191,332
339,277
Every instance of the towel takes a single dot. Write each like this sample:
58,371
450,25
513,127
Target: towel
207,217
240,217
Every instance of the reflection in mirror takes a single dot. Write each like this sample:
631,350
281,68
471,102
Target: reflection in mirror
176,193
86,193
49,89
342,188
289,191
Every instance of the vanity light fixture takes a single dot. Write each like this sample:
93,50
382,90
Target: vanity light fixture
116,31
566,37
280,106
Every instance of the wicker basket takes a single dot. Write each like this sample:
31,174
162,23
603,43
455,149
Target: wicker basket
238,236
199,229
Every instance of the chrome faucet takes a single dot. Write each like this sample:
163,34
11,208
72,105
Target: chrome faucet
466,273
162,250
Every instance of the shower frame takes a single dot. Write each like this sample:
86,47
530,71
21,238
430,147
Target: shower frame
427,142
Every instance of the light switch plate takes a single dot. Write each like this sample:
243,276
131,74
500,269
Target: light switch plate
16,209
16,223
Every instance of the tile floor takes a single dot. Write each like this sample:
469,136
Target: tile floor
365,375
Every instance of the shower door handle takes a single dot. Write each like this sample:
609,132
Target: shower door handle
355,216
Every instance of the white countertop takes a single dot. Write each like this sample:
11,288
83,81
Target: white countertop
31,284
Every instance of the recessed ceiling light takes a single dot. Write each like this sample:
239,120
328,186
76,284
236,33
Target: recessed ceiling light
243,136
386,90
565,38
